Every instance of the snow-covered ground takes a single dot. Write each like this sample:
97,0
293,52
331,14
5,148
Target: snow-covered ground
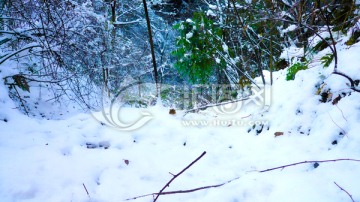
62,160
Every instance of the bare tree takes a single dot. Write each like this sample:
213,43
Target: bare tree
152,47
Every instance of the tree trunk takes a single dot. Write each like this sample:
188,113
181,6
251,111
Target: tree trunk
113,14
151,47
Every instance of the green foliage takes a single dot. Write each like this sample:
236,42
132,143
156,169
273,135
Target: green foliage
341,15
244,82
198,49
294,69
327,59
171,95
354,38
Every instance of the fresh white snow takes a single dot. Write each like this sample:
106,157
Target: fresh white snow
189,35
49,160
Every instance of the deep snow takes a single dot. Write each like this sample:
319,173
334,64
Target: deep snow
49,160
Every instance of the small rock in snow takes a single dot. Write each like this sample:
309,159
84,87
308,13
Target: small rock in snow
104,144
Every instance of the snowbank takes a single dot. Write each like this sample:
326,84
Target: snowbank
62,160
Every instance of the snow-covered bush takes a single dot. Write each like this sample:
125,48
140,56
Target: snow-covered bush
294,69
199,49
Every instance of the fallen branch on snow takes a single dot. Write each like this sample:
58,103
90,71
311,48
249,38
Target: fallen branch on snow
172,179
161,192
342,189
344,132
183,191
352,82
303,162
177,175
86,190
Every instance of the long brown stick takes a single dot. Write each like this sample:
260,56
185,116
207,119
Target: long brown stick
161,192
303,162
177,175
184,191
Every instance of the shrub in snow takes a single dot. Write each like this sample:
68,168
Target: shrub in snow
294,69
199,48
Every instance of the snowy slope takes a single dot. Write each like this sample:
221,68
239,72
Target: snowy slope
49,160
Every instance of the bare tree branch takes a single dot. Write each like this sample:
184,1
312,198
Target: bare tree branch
177,175
216,104
304,162
337,125
184,191
342,189
352,83
86,190
18,51
161,192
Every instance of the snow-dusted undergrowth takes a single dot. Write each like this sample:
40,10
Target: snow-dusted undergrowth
52,160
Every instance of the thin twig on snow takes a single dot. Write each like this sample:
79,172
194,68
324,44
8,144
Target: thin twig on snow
342,189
